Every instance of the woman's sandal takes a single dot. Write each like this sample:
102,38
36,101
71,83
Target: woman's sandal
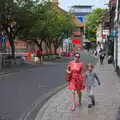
72,108
78,104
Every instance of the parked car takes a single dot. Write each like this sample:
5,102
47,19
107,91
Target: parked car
93,44
87,44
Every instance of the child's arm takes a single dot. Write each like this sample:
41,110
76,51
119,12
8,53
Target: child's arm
97,78
84,80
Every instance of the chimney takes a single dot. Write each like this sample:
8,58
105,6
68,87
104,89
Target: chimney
55,2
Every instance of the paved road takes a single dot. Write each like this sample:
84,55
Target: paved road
18,91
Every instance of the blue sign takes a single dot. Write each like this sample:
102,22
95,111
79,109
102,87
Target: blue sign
81,18
3,40
113,33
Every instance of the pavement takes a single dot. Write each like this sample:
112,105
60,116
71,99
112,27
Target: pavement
107,100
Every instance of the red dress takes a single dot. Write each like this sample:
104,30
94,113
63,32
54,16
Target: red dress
77,80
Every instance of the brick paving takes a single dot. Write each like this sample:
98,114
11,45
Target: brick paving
107,100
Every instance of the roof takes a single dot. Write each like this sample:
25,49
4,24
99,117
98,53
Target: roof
60,9
82,6
80,14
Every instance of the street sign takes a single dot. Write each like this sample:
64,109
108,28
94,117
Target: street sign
113,33
3,40
81,18
67,41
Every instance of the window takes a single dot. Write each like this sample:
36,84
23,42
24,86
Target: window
77,10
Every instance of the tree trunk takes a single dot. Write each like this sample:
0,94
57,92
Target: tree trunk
48,45
12,46
40,48
50,49
47,49
38,44
56,50
56,45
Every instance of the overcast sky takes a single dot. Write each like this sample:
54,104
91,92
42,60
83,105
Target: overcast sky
66,4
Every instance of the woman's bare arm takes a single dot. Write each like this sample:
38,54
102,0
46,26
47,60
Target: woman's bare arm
68,69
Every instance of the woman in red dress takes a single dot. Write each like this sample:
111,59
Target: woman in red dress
76,82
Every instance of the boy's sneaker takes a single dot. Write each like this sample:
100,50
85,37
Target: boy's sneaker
90,106
93,100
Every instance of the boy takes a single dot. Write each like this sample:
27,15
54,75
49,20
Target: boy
90,82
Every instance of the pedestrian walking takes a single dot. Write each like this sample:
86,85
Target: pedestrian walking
75,80
90,78
101,55
95,52
30,56
39,55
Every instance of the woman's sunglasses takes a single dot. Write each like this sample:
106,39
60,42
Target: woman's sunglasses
77,56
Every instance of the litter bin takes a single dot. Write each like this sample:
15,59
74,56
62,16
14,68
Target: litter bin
110,59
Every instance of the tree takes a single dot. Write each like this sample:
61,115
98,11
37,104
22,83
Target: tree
92,21
39,29
49,26
14,17
61,26
66,26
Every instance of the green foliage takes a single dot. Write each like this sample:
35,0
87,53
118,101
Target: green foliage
50,25
92,39
18,12
92,21
34,21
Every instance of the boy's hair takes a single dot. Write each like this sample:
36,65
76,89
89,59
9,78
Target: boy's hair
90,65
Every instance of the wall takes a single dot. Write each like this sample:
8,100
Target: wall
119,43
18,44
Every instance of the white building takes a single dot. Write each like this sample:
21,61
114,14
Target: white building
117,38
99,33
105,34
